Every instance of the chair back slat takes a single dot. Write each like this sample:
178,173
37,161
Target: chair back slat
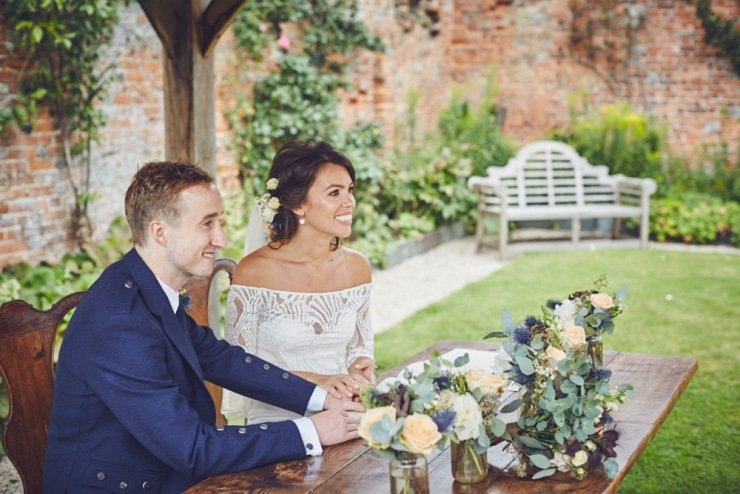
26,362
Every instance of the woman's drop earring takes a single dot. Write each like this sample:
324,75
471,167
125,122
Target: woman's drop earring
301,220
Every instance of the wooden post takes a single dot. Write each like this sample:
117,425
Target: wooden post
189,30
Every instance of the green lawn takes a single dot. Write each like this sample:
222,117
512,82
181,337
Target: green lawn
678,303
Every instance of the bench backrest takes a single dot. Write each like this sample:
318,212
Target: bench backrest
26,365
551,173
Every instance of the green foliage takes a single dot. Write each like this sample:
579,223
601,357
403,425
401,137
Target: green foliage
298,100
695,218
671,295
715,175
627,142
59,42
720,32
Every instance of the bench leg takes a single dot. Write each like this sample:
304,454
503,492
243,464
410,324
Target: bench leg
503,235
616,223
575,229
644,230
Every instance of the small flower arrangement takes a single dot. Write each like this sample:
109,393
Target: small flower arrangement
420,412
268,204
185,299
564,398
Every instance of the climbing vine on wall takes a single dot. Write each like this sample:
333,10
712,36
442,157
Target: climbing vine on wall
58,42
313,41
720,32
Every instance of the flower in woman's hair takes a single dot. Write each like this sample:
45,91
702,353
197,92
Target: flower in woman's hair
485,381
419,434
575,336
522,335
444,419
267,206
469,418
371,417
601,300
272,184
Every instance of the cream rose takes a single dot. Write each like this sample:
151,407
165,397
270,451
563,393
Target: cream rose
272,184
370,418
273,203
580,458
419,434
555,353
602,301
574,336
485,381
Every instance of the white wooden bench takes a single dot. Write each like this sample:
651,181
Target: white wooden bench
549,180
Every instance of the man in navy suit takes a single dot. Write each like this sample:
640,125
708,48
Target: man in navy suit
131,412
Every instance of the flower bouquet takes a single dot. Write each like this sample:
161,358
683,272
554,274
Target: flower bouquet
417,413
564,397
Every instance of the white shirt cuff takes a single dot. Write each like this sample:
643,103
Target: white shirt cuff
309,435
317,400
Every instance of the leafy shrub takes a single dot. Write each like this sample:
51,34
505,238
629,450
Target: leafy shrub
715,174
627,142
695,218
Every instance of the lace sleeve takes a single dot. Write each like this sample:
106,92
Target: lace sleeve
243,310
362,343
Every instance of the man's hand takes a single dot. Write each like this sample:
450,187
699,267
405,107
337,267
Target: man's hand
335,424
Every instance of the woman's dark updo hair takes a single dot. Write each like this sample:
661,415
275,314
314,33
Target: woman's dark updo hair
295,166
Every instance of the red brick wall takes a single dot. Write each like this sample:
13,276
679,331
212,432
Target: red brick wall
666,70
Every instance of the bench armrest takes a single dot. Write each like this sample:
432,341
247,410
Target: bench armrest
488,186
643,185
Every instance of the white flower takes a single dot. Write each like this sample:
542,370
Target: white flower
272,184
566,313
468,417
580,458
559,461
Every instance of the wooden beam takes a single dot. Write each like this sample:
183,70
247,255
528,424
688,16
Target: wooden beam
217,17
165,16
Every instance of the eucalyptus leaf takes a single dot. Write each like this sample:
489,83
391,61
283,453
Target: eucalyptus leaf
543,473
540,461
511,406
531,442
525,365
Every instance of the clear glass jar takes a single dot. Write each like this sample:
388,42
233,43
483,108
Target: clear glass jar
468,466
409,476
596,350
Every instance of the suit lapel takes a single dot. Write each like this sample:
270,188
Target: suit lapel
175,330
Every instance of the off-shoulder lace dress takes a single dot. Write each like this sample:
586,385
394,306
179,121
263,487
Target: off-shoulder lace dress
316,332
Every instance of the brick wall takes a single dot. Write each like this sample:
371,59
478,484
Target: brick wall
663,69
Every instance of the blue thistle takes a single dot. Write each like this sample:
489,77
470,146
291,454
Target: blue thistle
522,335
531,322
552,303
444,419
604,374
442,382
519,377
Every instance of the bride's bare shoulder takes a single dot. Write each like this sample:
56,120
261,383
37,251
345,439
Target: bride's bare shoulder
256,268
358,266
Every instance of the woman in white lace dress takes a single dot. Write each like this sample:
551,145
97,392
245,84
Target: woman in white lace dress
302,301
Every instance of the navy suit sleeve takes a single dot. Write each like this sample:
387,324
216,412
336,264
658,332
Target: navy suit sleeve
137,373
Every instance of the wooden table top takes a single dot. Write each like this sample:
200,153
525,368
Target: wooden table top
355,468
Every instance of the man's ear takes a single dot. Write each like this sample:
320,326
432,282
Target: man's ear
158,232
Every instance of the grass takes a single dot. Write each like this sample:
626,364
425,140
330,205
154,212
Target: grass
679,303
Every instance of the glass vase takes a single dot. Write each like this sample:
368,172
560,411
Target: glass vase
468,467
596,350
409,476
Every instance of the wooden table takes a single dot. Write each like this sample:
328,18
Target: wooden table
353,468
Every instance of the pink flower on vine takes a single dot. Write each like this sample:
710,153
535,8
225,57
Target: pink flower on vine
284,42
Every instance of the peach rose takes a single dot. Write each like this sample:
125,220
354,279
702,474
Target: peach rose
485,381
602,301
574,336
420,434
370,418
555,353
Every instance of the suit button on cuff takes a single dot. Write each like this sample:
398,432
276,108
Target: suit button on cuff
248,359
266,366
101,476
123,486
242,430
285,375
146,486
220,428
264,427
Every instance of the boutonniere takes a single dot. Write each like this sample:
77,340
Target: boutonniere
185,299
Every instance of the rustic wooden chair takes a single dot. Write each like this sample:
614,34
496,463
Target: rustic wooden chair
26,365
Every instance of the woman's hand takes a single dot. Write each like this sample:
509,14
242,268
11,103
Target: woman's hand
365,367
339,385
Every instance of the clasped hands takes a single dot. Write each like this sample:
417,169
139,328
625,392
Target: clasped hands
341,400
